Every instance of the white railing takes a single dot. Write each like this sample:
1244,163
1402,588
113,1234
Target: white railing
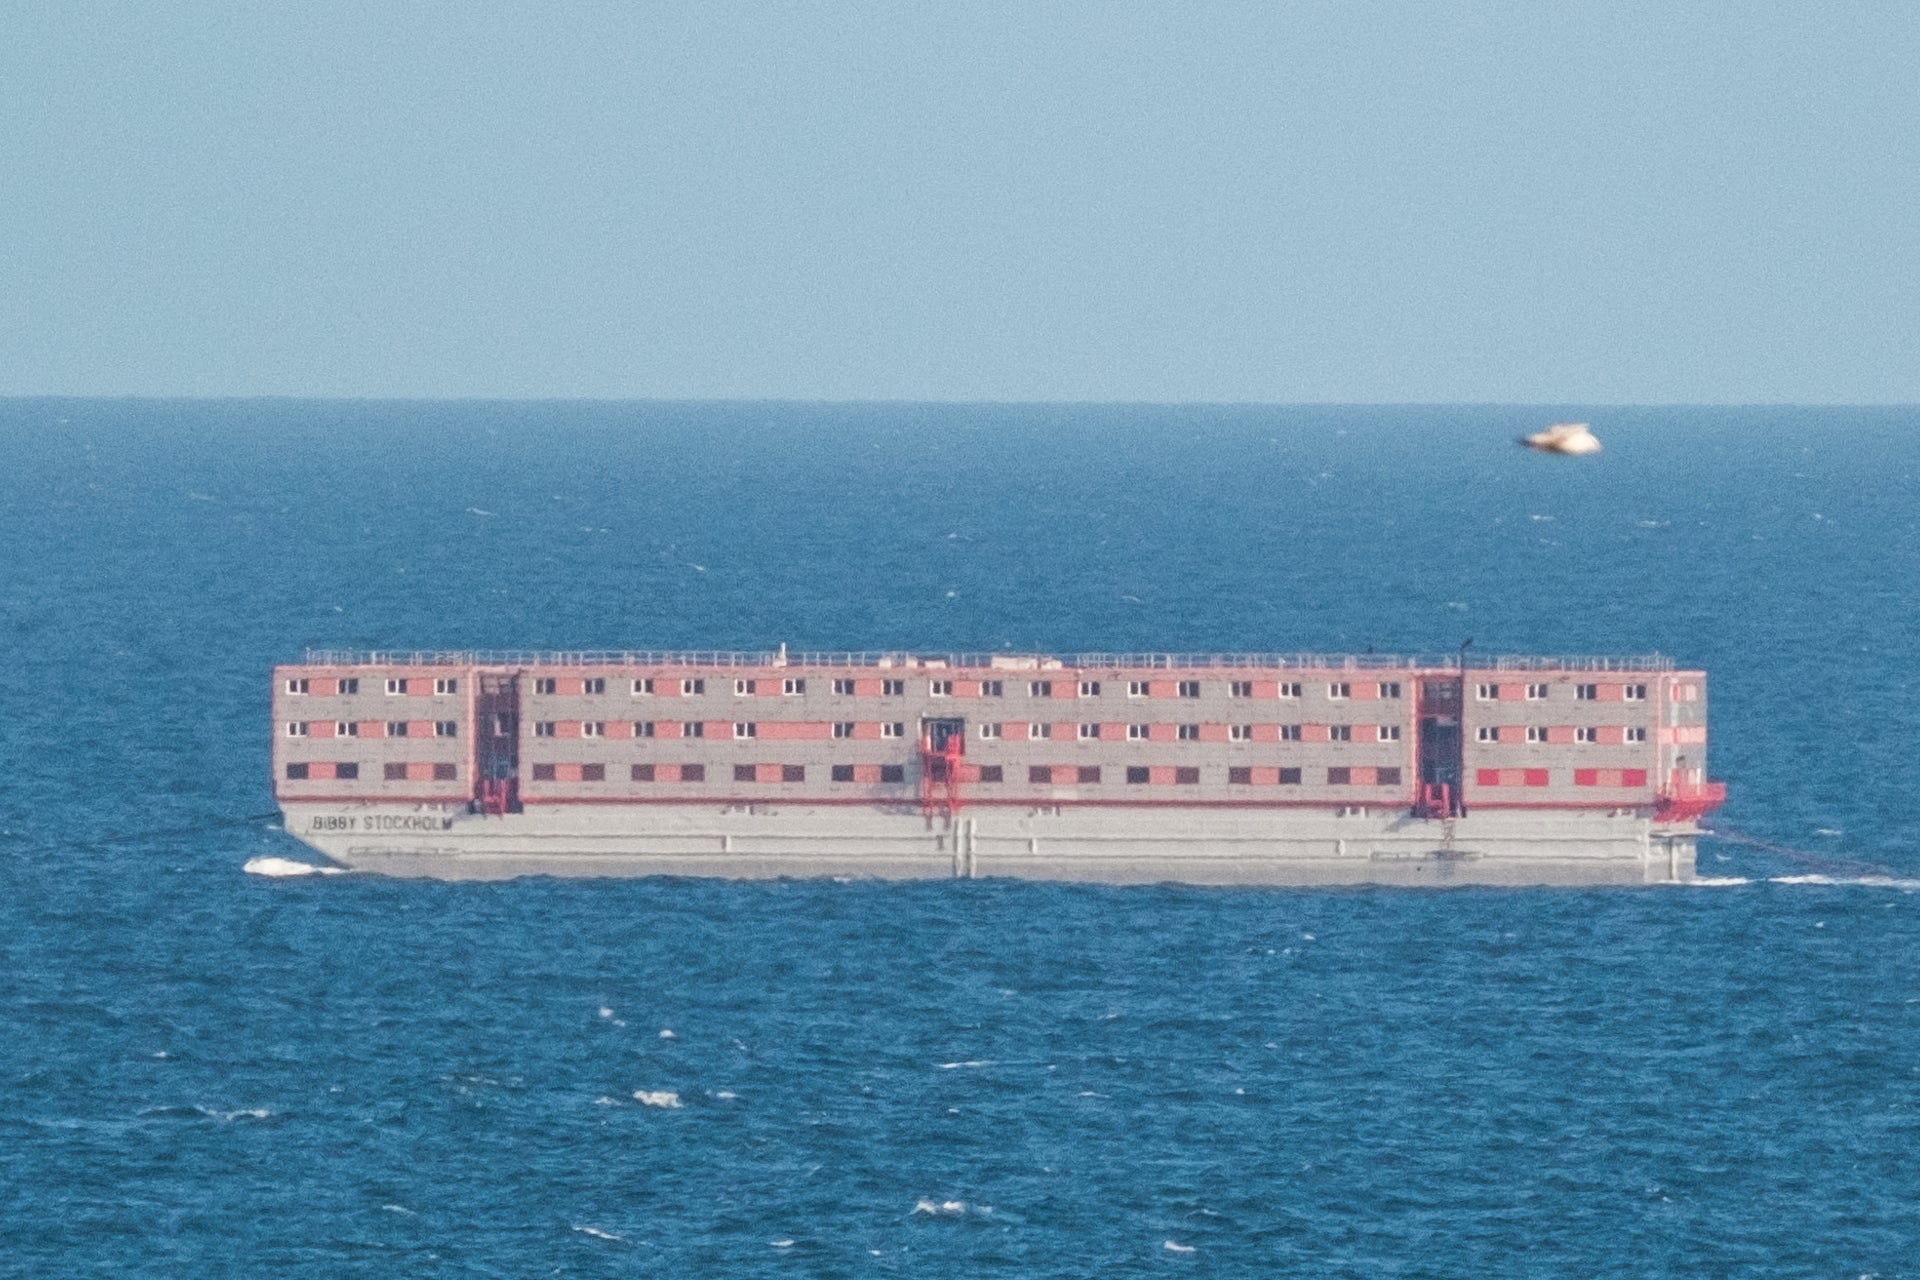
1078,662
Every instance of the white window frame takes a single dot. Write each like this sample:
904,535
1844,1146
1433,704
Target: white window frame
396,686
642,689
346,728
1390,689
1487,733
1586,693
1536,733
1181,690
1339,733
1288,689
1137,688
1586,733
1636,733
989,731
594,685
444,685
843,728
1240,688
939,688
893,688
993,689
546,685
593,728
1089,688
1139,732
1293,733
1089,733
397,729
1039,688
843,687
1387,733
743,688
743,729
893,729
1036,732
693,728
544,729
296,687
1339,690
1486,693
1188,733
1536,693
793,686
643,728
1240,733
297,728
691,686
445,729
1633,693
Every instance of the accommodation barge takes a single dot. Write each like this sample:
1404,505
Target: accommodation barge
1213,769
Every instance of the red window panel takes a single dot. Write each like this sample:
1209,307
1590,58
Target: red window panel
373,728
419,688
419,728
1558,734
1611,735
1113,733
619,729
1163,732
1611,693
566,728
966,688
1065,732
1266,688
1213,733
867,689
867,772
719,728
323,686
320,769
766,773
1633,777
666,687
566,773
1486,778
1534,778
1314,733
1586,777
1266,776
1162,775
1365,691
1067,687
1266,733
868,732
1512,733
419,771
1363,775
796,730
1513,692
320,729
566,685
1163,688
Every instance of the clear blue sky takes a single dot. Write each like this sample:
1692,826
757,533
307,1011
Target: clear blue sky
1526,202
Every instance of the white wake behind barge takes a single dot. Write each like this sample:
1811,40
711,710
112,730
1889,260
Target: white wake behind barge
1207,769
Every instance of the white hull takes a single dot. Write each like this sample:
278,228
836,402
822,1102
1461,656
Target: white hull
1113,845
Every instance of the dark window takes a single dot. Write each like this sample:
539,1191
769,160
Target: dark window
1240,689
1289,777
1089,773
1391,690
1137,773
544,684
893,773
395,772
1187,777
1289,733
643,773
595,685
1388,777
543,728
743,773
350,685
444,772
593,773
1039,773
1189,733
693,773
893,688
396,728
349,771
1339,776
992,773
843,773
297,772
1040,688
445,729
1586,692
843,686
1340,732
543,773
643,728
992,689
1189,688
793,773
1239,775
694,729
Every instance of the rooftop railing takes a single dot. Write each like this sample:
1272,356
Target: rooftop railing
721,658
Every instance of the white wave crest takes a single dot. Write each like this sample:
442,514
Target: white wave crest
597,1233
1717,882
1869,882
1171,1247
656,1097
282,867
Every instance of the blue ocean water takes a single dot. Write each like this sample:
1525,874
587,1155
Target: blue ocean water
209,1073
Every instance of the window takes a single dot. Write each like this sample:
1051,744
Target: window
1391,689
1388,733
893,729
1290,733
1340,776
940,688
1240,733
396,686
1290,690
992,689
1187,776
445,772
545,684
694,729
1040,774
1340,732
1536,733
643,728
1037,731
1387,777
688,687
992,773
1289,777
1089,688
1089,733
843,687
593,729
346,729
1585,733
1339,689
396,728
741,688
893,688
1486,692
1189,733
843,728
296,728
989,730
642,688
350,685
793,687
1239,775
1040,688
1634,692
442,684
598,684
1536,693
1137,774
1137,733
346,770
1088,774
296,687
1240,689
1636,735
893,773
745,729
1189,688
543,773
1486,733
1586,692
445,729
394,772
693,773
296,773
1136,688
793,773
842,773
745,773
641,773
543,728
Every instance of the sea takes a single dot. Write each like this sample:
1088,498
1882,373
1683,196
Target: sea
206,1072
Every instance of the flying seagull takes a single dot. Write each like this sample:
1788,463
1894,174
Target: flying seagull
1563,437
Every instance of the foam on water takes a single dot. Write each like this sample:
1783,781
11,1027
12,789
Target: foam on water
282,868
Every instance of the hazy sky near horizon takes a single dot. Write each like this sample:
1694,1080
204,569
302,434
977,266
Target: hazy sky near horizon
1521,202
